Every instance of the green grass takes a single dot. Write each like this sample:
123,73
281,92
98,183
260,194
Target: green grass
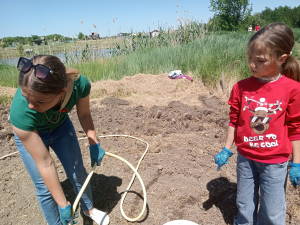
206,56
8,76
296,32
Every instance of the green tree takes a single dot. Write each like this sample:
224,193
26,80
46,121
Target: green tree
20,49
8,41
287,15
36,39
231,13
214,24
80,35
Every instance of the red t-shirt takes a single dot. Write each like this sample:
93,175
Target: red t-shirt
256,28
267,118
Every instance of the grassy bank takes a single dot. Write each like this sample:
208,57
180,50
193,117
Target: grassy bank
59,47
206,57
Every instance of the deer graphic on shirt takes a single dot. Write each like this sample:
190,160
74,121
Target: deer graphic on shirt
261,112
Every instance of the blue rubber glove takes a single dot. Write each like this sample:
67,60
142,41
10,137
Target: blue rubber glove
222,157
97,154
65,215
295,174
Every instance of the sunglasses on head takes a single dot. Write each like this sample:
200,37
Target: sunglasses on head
40,71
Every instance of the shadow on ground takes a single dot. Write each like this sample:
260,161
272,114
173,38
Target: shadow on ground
222,194
104,191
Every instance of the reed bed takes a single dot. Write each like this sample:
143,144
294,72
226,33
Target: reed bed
59,47
8,76
206,57
189,48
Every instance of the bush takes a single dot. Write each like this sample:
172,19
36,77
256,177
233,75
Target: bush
20,49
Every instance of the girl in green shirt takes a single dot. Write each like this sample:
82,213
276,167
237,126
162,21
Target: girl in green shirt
39,118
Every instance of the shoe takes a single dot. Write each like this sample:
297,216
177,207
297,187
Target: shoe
101,218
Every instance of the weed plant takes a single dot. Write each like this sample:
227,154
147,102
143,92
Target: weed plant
8,75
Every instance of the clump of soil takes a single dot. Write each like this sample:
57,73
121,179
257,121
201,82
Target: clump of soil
185,126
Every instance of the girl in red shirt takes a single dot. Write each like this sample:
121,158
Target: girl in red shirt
265,126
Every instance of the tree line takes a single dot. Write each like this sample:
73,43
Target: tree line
233,15
34,39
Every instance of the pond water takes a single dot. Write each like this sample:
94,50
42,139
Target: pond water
96,53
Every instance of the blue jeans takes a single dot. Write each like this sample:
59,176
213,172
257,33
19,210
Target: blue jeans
271,180
64,142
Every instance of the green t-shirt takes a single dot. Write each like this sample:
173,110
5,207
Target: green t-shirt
28,119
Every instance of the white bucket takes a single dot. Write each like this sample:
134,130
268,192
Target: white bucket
180,222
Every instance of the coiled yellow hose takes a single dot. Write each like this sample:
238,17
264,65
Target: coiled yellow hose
125,193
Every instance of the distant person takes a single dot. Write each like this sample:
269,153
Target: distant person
39,117
265,126
250,28
256,27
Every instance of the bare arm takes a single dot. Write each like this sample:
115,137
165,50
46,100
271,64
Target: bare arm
296,151
85,119
230,137
44,162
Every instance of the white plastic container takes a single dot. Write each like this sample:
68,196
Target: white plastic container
180,222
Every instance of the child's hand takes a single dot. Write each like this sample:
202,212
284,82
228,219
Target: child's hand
222,157
65,215
295,174
97,154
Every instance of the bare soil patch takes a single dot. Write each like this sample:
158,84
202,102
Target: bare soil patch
185,125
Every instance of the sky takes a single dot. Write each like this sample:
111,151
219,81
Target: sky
69,17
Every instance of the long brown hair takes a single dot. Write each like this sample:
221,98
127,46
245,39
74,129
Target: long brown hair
278,39
55,82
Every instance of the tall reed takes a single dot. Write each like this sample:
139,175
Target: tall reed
206,57
189,48
8,75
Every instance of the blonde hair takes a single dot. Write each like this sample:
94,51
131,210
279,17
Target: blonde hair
55,82
278,39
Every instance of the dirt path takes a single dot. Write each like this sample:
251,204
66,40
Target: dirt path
185,125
